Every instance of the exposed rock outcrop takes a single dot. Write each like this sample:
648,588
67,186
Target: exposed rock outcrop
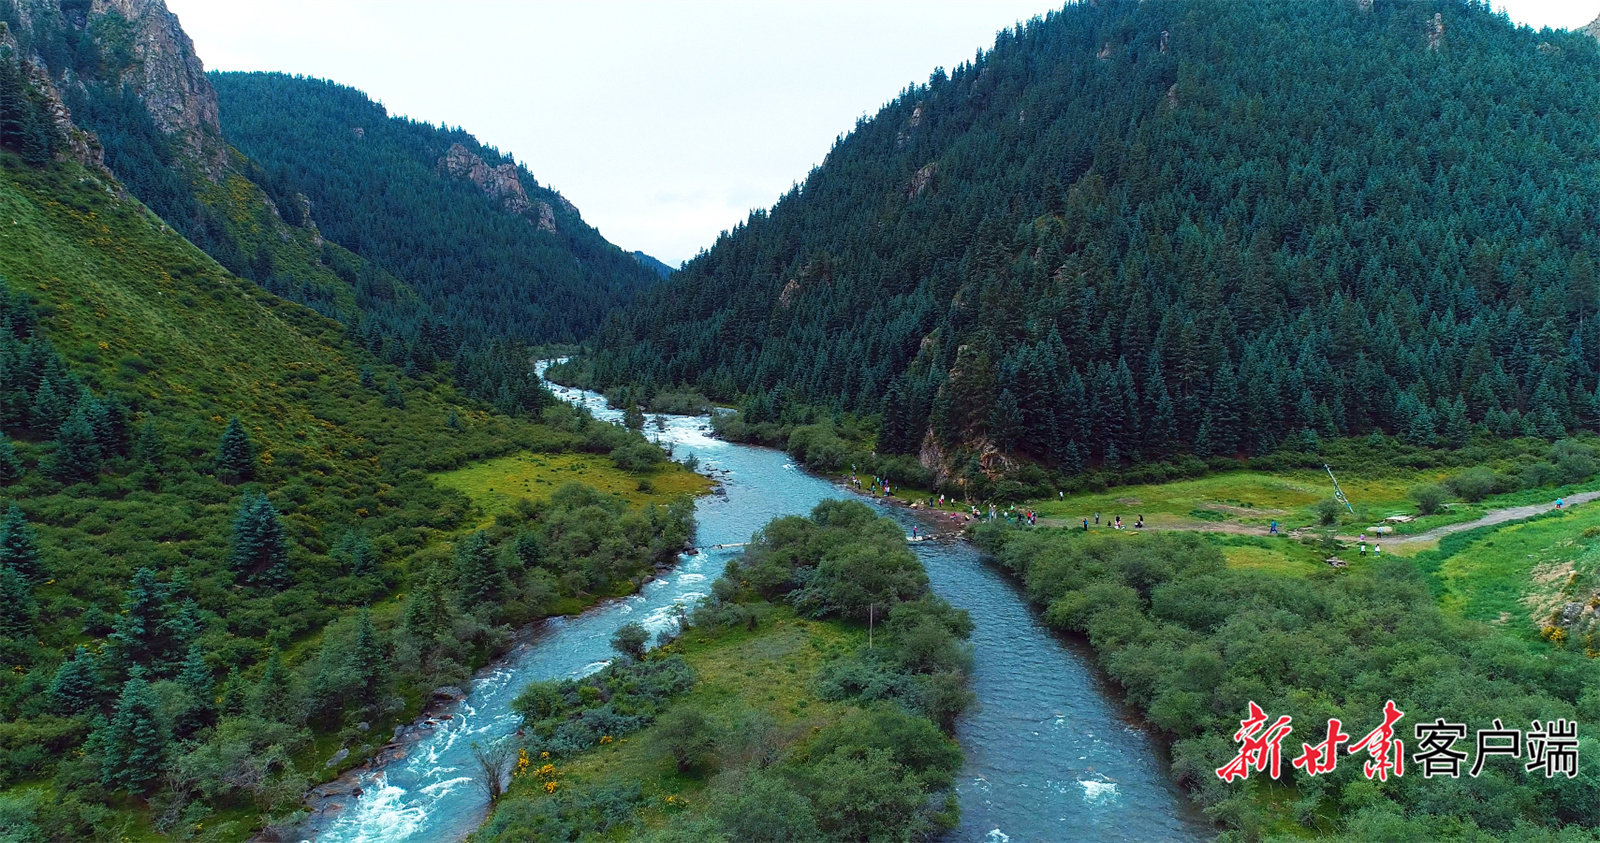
1593,29
1436,31
922,180
168,76
503,185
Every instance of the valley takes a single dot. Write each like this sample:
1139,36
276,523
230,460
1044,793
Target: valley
1176,420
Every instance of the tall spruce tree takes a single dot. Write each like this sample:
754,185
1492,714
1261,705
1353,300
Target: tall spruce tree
11,469
273,695
478,575
76,687
195,677
260,550
18,608
19,549
134,744
140,627
368,658
78,455
427,610
392,396
355,555
236,455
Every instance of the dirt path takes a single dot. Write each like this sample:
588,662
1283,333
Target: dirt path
1494,516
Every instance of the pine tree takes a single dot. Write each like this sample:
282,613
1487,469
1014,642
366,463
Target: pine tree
13,103
1005,421
195,674
38,138
102,424
1221,425
76,687
478,574
19,550
11,469
1419,429
236,456
272,696
894,435
393,397
139,629
18,609
1161,438
78,454
195,677
367,660
134,744
453,421
182,628
355,554
1456,430
260,551
369,380
427,611
48,408
149,455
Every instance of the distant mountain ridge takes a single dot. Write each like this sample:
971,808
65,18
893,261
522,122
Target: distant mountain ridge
656,266
478,237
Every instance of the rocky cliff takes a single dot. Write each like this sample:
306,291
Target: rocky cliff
502,184
160,64
102,47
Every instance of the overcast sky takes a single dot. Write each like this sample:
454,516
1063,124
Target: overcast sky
664,122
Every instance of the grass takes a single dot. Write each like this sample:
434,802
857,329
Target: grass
1246,498
772,669
1516,574
495,485
1283,557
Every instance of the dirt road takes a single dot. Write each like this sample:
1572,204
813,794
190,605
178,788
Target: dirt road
1494,516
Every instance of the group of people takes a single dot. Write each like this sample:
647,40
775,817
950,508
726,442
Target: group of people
1116,523
1377,549
880,485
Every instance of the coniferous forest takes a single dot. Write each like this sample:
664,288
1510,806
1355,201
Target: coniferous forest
278,476
1137,230
487,271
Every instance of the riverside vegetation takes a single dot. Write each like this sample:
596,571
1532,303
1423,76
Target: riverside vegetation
1191,640
225,557
810,697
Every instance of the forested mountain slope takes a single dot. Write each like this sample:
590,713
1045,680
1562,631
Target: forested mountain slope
126,72
1136,229
477,236
222,557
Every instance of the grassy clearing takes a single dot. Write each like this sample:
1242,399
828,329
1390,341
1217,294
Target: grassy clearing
495,485
1248,498
1516,574
1283,557
1252,500
772,670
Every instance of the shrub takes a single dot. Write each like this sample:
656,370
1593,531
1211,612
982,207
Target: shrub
1328,511
630,640
1428,497
1472,485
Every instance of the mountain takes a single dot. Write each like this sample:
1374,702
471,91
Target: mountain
126,73
224,555
650,263
1132,231
473,232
